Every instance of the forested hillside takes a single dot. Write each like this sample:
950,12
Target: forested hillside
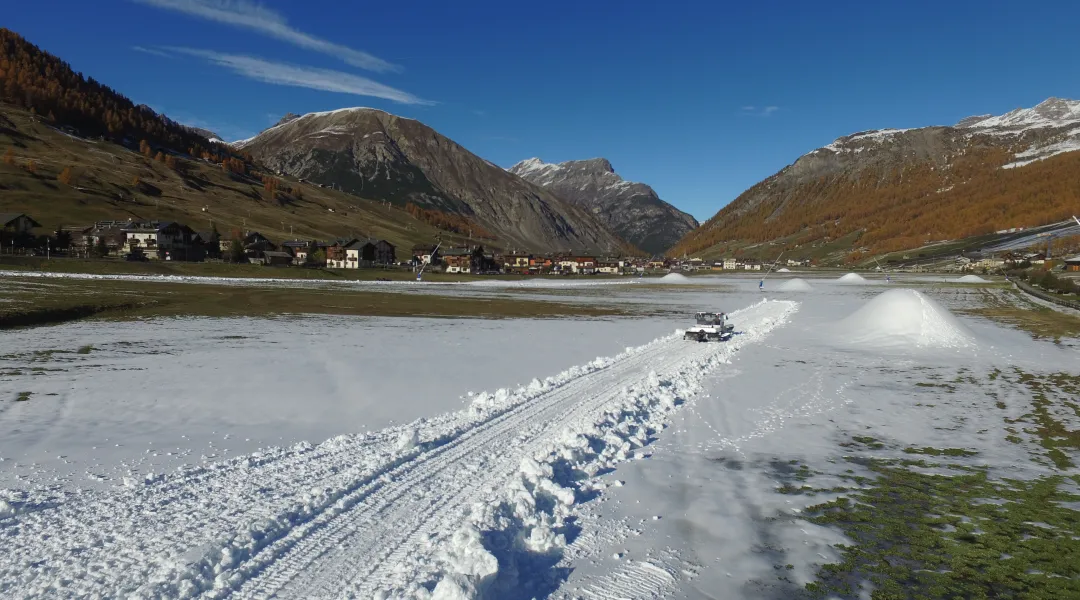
48,87
891,190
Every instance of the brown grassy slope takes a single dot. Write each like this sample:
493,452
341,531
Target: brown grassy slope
901,209
102,188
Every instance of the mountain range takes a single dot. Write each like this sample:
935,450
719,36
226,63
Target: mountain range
632,210
892,189
375,154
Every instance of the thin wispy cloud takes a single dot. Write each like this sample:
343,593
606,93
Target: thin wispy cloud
248,15
153,51
326,80
758,111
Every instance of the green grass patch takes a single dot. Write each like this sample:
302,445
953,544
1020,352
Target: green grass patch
1047,391
940,451
71,299
23,396
952,536
85,349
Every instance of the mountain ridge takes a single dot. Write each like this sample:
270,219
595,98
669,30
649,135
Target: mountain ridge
373,153
631,209
901,188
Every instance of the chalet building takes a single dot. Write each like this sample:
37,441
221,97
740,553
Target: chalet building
208,242
378,252
541,264
302,249
608,266
17,223
426,254
275,258
337,257
165,240
354,254
457,263
520,263
1072,263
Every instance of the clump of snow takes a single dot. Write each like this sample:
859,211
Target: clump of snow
795,285
783,270
408,439
904,318
970,279
675,278
852,278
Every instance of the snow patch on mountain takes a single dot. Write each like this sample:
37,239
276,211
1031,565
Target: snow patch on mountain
1036,153
1053,112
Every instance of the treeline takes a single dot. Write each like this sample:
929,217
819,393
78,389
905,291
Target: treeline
903,208
449,222
48,87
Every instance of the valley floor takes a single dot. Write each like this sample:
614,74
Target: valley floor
349,456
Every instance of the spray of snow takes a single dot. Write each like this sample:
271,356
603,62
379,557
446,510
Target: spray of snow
852,278
783,270
906,319
795,285
675,278
970,279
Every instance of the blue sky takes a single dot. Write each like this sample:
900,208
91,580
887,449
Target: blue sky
699,99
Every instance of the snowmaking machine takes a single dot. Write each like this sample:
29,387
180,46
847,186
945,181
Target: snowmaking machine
710,327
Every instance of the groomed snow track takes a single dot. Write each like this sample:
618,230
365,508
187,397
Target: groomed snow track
413,511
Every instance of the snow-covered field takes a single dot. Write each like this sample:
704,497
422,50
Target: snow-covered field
385,458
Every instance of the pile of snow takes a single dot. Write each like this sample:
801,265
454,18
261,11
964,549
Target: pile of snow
783,270
852,278
795,285
904,318
970,279
675,278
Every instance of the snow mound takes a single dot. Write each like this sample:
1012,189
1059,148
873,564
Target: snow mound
970,279
852,278
675,278
795,285
904,318
783,270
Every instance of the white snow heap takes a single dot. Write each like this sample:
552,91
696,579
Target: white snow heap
852,278
795,285
675,278
970,279
904,318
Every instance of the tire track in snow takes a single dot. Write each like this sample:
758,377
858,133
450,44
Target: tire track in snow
355,514
399,526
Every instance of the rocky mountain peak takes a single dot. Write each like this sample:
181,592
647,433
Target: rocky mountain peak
378,155
632,210
288,117
596,165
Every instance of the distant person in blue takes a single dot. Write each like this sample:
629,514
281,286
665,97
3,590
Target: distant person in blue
887,280
761,285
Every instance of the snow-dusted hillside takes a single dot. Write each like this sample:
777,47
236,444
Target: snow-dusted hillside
1047,129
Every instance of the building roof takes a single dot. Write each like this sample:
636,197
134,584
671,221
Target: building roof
276,254
7,218
1073,259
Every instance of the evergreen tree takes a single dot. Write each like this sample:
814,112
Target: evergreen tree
101,248
236,249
